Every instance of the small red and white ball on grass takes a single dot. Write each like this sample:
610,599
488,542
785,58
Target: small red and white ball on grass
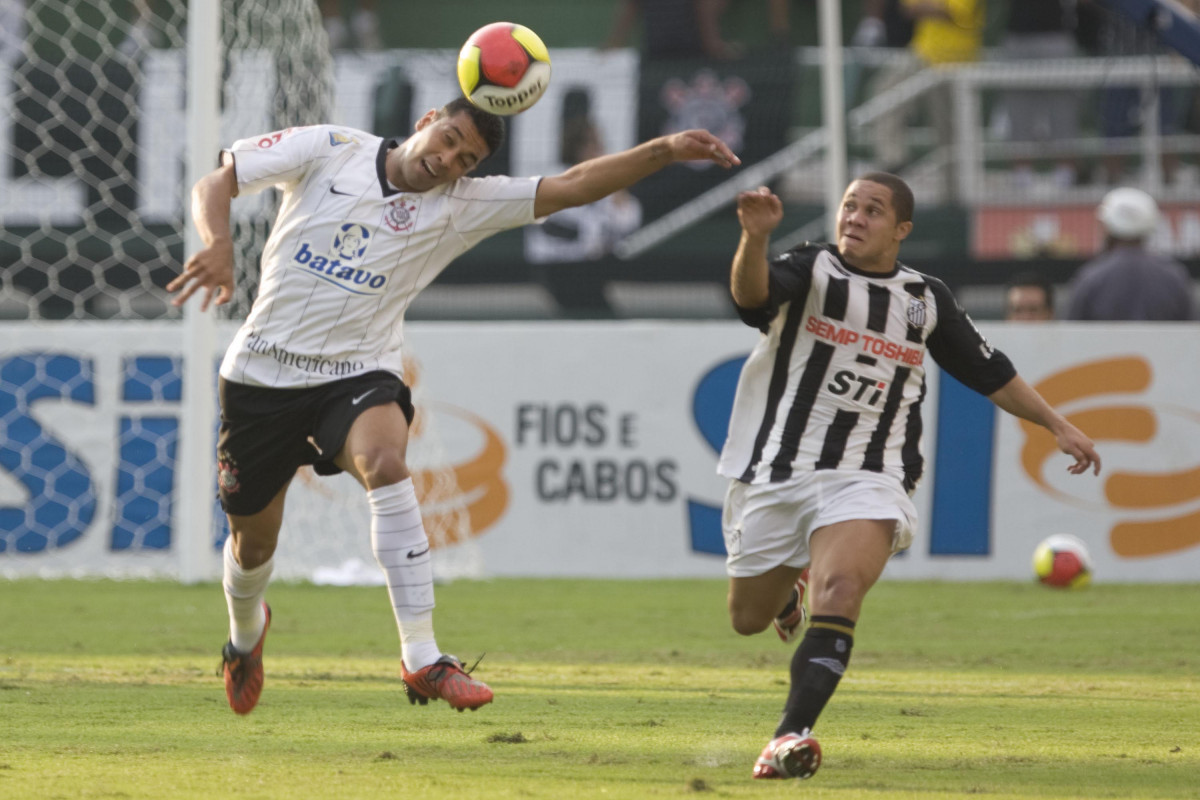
1062,561
504,68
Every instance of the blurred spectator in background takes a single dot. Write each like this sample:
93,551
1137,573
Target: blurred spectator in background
583,233
883,24
1128,282
779,22
945,32
1124,108
685,28
1035,30
1030,298
362,32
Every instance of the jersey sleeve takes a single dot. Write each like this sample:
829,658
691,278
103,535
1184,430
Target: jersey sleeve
959,348
281,158
485,206
789,277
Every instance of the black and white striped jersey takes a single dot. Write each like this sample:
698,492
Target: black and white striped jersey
837,379
348,252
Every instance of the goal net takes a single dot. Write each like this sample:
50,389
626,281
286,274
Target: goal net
93,154
94,148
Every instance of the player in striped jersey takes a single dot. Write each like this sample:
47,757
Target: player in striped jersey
824,444
314,374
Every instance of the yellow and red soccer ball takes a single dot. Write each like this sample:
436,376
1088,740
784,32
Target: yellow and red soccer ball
1062,561
503,68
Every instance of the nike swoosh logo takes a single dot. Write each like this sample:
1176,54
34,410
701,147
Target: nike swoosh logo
359,399
831,664
344,194
411,554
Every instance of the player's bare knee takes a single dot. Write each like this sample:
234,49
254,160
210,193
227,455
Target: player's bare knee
748,621
748,626
252,552
252,538
840,594
381,466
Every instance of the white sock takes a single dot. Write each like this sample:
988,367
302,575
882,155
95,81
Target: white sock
244,590
401,547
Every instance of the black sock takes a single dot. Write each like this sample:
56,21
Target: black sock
817,667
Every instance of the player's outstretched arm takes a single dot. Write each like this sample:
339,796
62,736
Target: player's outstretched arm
211,268
1020,399
759,213
599,177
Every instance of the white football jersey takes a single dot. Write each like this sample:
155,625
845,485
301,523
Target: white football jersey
837,378
348,252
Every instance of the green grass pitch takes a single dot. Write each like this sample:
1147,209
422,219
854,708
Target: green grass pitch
604,689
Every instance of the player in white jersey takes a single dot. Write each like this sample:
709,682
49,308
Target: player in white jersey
824,448
314,374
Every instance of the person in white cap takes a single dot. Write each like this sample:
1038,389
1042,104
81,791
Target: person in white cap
1127,282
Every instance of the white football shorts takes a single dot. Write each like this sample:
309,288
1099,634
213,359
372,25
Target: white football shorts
769,524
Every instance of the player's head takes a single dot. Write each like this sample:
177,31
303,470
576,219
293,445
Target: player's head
874,218
1030,298
449,143
489,126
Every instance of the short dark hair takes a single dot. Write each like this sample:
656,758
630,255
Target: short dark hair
490,126
902,196
1036,279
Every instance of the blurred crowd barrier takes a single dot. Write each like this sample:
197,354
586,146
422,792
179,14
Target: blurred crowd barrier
93,144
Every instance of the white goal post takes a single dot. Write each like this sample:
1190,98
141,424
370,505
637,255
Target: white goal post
196,515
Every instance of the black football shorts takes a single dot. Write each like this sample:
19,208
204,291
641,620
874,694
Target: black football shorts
267,434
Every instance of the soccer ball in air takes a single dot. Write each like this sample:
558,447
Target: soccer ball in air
503,68
1062,561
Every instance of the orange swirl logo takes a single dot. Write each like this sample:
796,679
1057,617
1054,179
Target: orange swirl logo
1129,423
458,500
465,499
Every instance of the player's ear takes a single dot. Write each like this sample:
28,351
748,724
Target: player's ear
903,230
429,117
